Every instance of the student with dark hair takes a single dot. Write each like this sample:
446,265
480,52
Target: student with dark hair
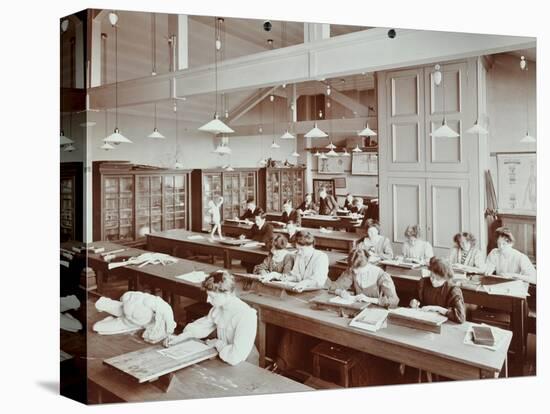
327,204
290,214
507,261
366,279
348,203
415,248
279,262
438,294
378,247
234,321
465,252
308,205
251,210
261,231
358,206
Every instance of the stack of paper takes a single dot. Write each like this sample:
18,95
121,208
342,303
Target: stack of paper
253,244
195,237
370,319
516,288
184,349
194,277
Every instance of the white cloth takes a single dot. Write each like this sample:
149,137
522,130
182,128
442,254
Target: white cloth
140,309
69,323
235,323
70,302
420,250
511,262
474,258
113,326
312,267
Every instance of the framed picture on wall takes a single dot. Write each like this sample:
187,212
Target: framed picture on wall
364,163
332,165
517,183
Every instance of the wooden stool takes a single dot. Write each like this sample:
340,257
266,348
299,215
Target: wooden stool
334,363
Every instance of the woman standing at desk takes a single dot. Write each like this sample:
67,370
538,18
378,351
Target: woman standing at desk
465,252
308,205
234,321
414,248
366,279
507,261
377,246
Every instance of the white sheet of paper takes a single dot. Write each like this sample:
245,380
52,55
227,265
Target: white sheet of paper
195,237
512,288
342,301
194,277
184,349
252,244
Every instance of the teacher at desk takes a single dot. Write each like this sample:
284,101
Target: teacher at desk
327,204
507,261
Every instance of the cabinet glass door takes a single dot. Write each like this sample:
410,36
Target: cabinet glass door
298,193
231,199
273,194
247,189
287,186
174,202
118,208
143,205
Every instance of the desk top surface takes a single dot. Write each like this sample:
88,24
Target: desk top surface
212,378
448,344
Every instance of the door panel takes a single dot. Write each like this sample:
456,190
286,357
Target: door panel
405,143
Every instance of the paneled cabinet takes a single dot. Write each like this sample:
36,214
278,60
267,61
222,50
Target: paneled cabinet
235,187
131,201
434,182
281,184
70,198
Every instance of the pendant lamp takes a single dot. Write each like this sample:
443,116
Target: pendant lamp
323,156
527,139
216,126
346,153
156,134
317,154
444,131
64,140
357,149
116,137
69,148
367,132
107,147
477,128
332,153
295,154
315,132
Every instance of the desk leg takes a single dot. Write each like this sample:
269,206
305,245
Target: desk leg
518,328
99,280
227,260
262,338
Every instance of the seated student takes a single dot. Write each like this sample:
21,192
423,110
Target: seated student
310,266
290,214
279,262
358,207
366,279
507,261
327,204
348,203
438,294
308,205
465,251
291,229
261,231
415,248
251,210
234,321
378,247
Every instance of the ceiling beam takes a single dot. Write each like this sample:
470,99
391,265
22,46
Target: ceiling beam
354,105
364,51
248,103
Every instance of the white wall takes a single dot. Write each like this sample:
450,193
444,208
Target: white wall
507,85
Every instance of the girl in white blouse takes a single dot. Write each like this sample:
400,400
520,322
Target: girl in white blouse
414,248
507,261
377,246
234,321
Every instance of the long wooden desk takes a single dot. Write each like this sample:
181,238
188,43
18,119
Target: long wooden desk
317,220
212,378
337,240
444,354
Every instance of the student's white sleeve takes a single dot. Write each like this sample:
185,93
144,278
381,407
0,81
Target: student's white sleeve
320,271
491,263
200,328
479,262
429,251
527,269
243,339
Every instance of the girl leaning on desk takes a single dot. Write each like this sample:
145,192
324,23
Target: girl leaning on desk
378,246
438,294
278,263
366,279
233,320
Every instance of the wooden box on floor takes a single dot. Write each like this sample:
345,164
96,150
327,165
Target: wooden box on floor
333,363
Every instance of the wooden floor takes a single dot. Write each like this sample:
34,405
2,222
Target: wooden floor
115,288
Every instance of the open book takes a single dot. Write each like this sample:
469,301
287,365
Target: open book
371,319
